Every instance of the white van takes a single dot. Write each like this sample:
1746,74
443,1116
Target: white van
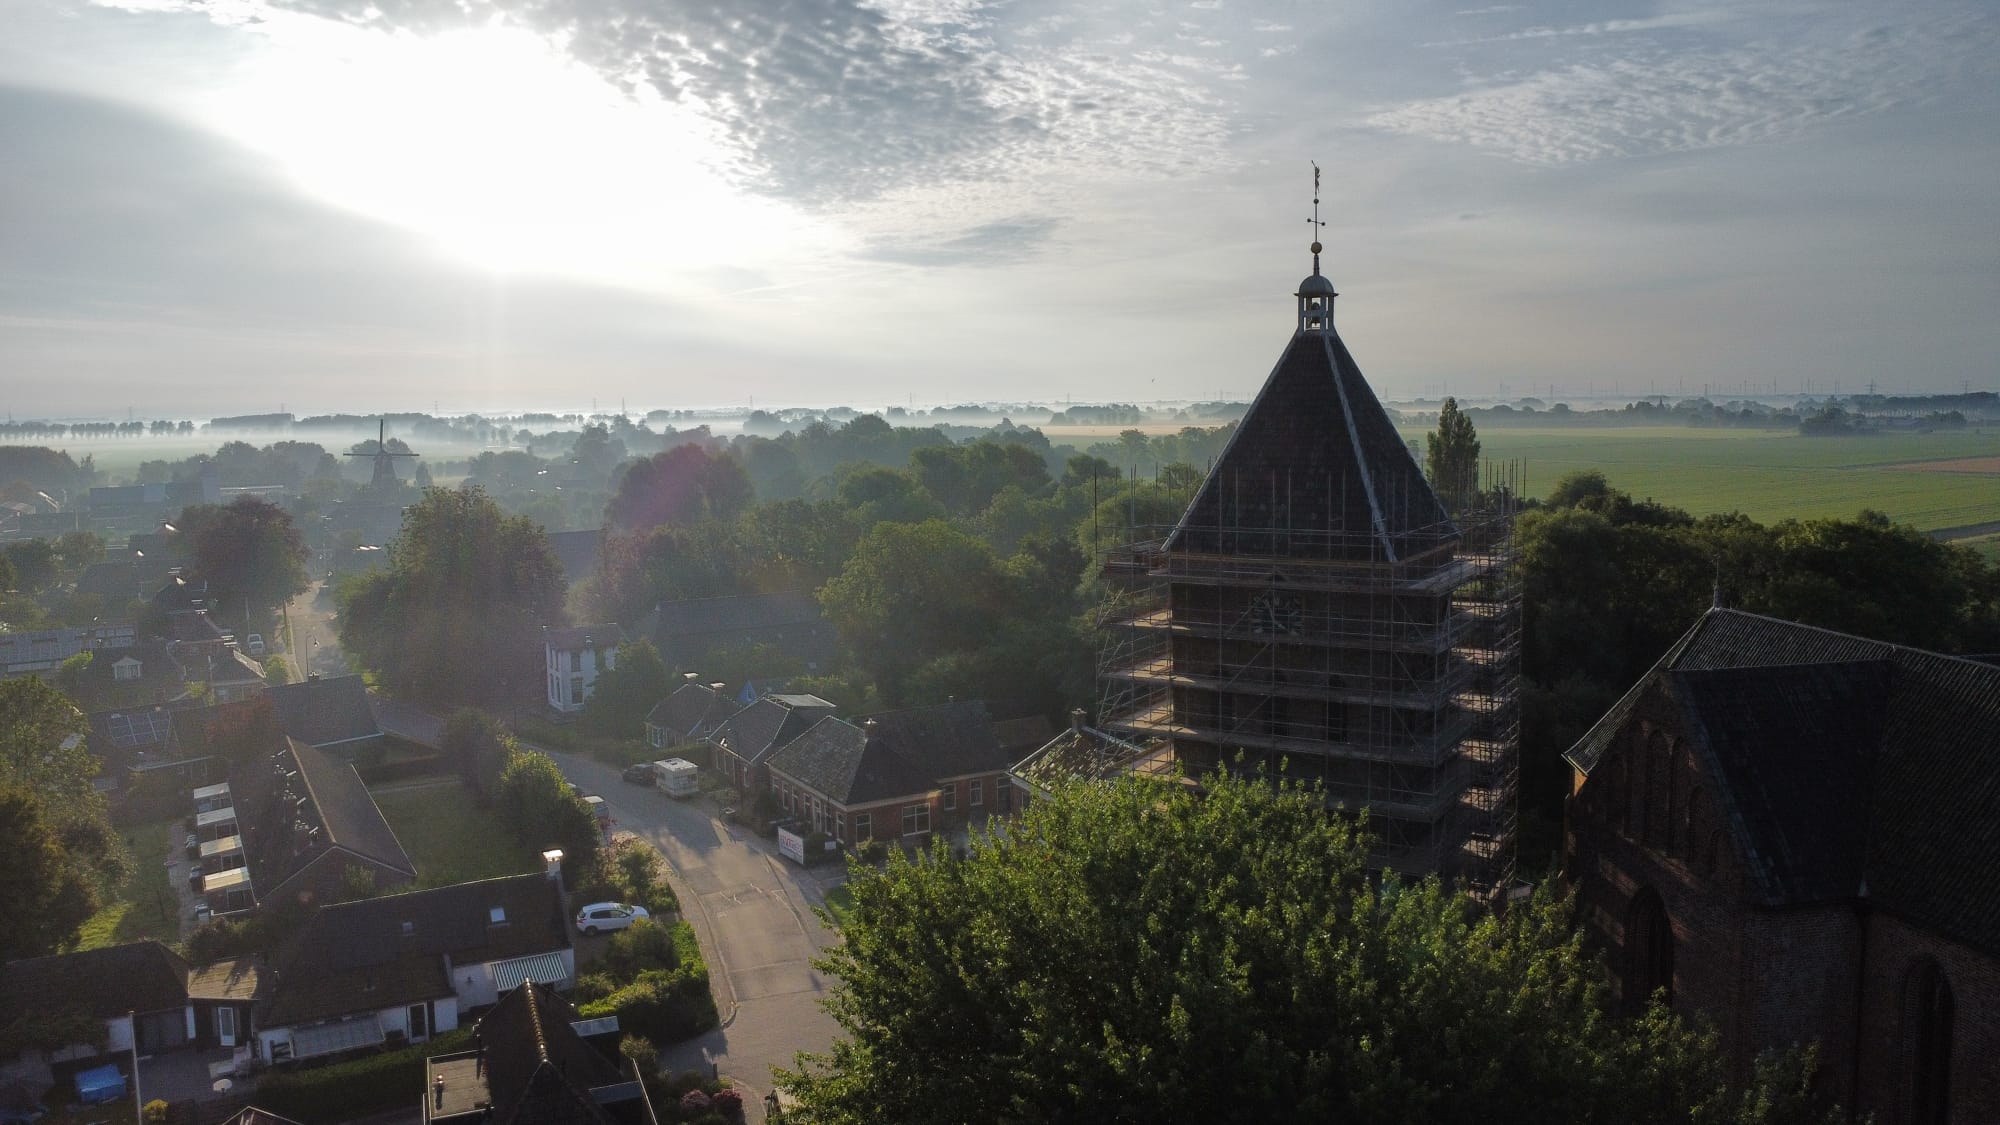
676,777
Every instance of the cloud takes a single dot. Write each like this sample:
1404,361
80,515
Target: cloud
1651,99
837,101
994,243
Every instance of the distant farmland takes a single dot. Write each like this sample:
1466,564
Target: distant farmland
1770,477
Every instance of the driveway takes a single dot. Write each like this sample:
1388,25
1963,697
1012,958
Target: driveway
751,909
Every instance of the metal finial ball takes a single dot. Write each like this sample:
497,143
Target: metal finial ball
1316,247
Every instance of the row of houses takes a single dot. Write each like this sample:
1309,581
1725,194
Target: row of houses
384,971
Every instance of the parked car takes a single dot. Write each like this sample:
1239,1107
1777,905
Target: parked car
603,917
638,773
254,644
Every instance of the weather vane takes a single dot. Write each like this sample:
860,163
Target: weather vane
1315,220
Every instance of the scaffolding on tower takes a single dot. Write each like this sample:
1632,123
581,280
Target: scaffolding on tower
1388,674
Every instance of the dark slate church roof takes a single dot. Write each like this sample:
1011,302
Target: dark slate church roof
838,760
1849,767
1316,470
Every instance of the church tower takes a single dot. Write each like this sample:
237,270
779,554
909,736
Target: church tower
1317,609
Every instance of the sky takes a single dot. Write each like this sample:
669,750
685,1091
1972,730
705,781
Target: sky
239,206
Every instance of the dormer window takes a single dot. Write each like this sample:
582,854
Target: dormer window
496,916
409,928
126,669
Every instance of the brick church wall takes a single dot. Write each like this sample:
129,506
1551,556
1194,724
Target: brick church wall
1895,949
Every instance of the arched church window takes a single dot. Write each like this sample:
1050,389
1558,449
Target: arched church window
1929,1043
1649,951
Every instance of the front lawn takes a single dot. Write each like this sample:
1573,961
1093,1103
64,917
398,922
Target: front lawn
839,904
449,838
146,905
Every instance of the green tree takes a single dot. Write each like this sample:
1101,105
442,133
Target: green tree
628,689
43,752
478,747
248,551
78,549
48,898
457,615
33,562
1135,952
536,802
914,593
682,486
1451,457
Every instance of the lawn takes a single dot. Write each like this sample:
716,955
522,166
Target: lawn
146,906
839,903
450,839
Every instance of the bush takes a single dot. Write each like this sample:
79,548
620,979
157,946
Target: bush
328,1094
641,1051
592,986
155,1112
644,946
665,1006
695,1102
728,1103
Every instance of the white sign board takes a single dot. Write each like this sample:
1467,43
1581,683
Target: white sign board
791,845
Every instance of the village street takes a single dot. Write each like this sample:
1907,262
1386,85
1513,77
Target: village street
751,909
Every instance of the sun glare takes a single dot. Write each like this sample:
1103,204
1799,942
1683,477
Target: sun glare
505,154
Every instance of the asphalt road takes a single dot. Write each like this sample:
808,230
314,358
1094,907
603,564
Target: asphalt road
751,909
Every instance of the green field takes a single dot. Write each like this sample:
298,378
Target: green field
1767,476
448,838
146,906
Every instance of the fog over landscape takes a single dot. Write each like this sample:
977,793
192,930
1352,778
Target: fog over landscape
214,208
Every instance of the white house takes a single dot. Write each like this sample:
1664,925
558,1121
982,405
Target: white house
404,967
574,657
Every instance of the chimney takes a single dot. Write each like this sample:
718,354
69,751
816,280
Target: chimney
691,677
868,727
552,866
312,677
1076,717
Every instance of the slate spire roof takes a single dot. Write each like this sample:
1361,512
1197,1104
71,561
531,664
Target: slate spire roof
1316,469
1843,763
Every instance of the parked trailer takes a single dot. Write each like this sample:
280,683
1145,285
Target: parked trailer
676,777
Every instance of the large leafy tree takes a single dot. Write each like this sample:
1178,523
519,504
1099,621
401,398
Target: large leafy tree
682,486
46,898
247,550
534,799
628,689
456,617
1135,952
43,757
477,746
1451,456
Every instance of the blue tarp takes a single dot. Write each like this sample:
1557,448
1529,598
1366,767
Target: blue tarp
100,1084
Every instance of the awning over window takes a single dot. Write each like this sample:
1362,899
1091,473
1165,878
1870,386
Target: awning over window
207,792
542,968
221,846
224,880
332,1038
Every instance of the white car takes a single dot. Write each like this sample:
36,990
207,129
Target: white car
603,917
254,645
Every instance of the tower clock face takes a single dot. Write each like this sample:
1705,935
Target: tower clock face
1277,614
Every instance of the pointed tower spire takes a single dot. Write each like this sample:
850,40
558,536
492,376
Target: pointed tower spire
1316,293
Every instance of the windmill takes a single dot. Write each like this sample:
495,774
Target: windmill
385,479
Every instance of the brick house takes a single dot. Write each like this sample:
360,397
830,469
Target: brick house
848,782
742,744
955,744
1791,831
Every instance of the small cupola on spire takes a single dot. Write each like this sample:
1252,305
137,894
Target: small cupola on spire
1316,292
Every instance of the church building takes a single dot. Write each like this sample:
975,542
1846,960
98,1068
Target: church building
1318,610
1793,832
